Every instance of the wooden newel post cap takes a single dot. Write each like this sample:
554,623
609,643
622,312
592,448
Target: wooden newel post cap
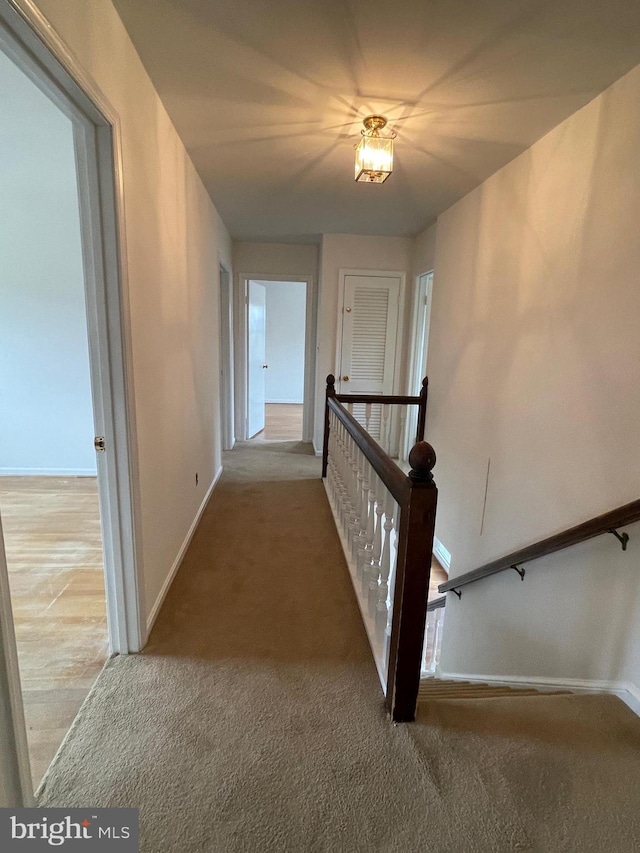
422,459
331,381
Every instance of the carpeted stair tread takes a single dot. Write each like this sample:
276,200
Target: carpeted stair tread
434,689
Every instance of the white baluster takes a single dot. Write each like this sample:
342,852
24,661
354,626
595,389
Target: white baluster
376,554
395,510
361,556
346,484
353,489
369,574
331,474
437,638
382,609
384,430
367,416
402,431
359,521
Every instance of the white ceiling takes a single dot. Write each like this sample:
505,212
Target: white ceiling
268,97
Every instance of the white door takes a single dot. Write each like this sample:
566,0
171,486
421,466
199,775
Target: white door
257,328
369,331
366,365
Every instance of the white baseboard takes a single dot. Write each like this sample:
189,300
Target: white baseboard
48,472
441,553
628,692
315,449
178,560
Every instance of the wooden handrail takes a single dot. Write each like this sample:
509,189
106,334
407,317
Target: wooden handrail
420,401
397,399
394,479
609,522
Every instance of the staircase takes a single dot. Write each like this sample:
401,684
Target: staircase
435,689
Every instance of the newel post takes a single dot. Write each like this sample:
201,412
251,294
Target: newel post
331,392
415,549
422,409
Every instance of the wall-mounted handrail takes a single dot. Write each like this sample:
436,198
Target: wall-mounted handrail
437,603
352,450
609,522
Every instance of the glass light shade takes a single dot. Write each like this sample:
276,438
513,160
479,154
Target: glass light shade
374,159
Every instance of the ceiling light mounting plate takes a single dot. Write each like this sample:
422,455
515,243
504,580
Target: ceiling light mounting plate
374,124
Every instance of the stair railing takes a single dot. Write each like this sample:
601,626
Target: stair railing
385,520
609,522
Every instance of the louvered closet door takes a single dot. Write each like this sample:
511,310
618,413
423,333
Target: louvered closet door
369,330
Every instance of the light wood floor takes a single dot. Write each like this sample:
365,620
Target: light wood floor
438,576
54,556
283,422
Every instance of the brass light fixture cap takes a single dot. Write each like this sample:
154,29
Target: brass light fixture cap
374,123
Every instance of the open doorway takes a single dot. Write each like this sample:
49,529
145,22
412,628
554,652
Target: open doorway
48,472
276,354
69,591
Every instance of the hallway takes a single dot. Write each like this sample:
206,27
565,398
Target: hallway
254,721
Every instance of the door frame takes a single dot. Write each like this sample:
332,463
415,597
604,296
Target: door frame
16,786
226,356
242,343
422,296
256,299
27,38
399,274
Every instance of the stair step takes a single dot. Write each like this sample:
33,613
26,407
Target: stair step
434,689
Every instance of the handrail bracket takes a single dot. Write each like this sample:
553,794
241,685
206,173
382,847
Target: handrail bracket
520,571
623,538
457,592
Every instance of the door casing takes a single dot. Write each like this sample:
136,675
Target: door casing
240,350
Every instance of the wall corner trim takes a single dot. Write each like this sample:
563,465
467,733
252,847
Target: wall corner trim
155,610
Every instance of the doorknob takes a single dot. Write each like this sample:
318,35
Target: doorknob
265,366
345,378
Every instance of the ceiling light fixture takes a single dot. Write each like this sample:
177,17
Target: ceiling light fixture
374,153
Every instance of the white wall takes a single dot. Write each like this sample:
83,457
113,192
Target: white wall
174,238
285,340
534,362
272,259
347,251
46,419
423,257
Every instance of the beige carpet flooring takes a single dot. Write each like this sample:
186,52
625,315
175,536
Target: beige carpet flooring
254,719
